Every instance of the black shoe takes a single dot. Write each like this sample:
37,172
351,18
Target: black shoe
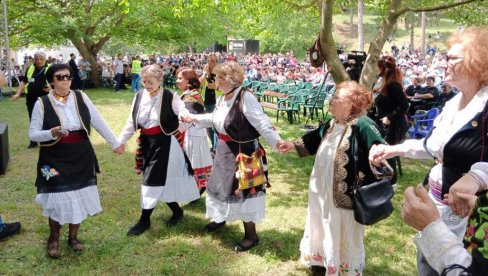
32,145
318,270
138,229
241,248
175,218
10,229
213,226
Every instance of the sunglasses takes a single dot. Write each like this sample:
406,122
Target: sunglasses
63,77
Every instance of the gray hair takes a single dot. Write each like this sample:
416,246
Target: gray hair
40,54
152,70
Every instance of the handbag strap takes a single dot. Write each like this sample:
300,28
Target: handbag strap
356,157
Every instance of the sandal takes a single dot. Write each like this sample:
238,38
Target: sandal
53,248
75,244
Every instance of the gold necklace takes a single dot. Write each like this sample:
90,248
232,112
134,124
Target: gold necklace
154,93
60,97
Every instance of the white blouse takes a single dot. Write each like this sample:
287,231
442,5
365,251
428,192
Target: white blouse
252,111
448,123
149,109
68,116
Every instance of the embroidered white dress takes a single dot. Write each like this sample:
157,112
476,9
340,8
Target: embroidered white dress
332,237
250,209
72,206
179,187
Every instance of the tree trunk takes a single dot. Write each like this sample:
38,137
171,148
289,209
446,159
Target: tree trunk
351,19
327,43
412,35
368,75
360,26
422,34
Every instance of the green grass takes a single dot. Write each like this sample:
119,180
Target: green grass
184,249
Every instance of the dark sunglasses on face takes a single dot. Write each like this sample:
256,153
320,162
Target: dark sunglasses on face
63,77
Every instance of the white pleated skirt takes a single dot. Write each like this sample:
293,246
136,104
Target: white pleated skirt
70,207
179,187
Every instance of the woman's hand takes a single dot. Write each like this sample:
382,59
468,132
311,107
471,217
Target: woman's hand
187,119
120,149
285,146
465,186
380,152
59,132
385,121
418,210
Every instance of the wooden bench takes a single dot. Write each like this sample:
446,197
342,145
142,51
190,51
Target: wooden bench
268,99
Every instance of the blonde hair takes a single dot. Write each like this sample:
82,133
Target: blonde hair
475,55
152,70
230,71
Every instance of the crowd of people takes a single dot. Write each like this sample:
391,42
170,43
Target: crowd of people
174,154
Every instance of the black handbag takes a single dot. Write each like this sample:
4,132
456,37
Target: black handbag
372,202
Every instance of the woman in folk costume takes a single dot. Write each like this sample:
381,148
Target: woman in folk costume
458,139
66,171
167,172
239,120
195,141
333,241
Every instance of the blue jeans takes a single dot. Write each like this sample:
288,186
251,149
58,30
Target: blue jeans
118,80
2,225
135,83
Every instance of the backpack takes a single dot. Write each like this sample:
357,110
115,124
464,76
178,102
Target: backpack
316,58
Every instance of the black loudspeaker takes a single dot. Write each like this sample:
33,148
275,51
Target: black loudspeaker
4,156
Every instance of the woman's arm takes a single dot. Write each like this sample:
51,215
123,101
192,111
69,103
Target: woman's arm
259,120
128,129
36,133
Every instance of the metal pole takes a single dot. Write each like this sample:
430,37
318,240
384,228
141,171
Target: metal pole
7,46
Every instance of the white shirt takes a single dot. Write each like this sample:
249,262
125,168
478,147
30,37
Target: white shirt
119,66
252,111
68,116
149,109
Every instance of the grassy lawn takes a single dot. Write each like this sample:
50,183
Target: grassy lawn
184,249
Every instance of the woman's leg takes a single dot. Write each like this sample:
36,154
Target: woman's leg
72,240
250,237
53,241
177,213
143,224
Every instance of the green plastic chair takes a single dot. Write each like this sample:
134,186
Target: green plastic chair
291,106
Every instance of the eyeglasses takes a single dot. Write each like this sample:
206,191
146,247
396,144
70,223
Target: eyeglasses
63,77
453,58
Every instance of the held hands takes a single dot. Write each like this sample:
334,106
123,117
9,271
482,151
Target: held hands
59,132
187,119
462,195
418,210
120,149
380,152
285,146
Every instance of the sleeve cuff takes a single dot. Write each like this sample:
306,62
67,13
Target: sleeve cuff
301,148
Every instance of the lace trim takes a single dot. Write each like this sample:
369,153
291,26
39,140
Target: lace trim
341,198
300,147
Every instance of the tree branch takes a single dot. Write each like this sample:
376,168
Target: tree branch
436,8
312,3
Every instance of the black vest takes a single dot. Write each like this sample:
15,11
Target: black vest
463,150
168,121
236,124
51,119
